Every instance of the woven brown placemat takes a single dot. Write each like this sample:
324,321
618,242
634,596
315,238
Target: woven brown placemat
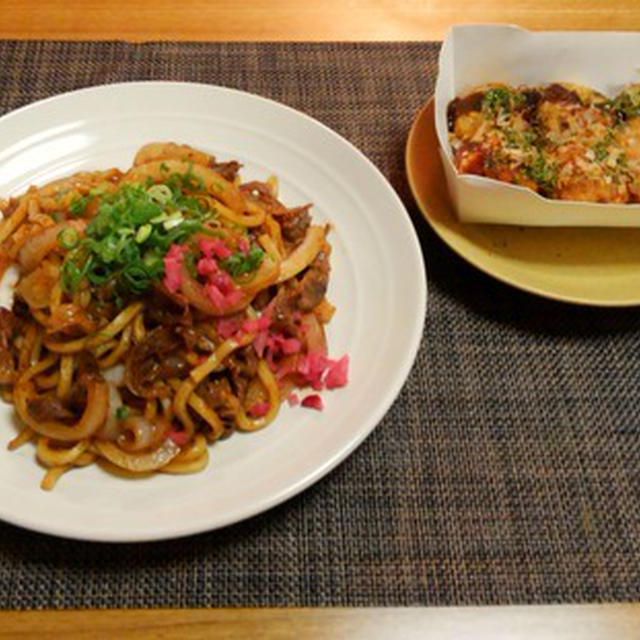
507,470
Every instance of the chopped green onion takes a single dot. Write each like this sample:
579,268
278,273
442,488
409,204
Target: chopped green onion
122,412
152,261
143,233
173,220
239,263
72,275
98,274
125,242
136,277
68,238
78,206
161,218
500,98
160,193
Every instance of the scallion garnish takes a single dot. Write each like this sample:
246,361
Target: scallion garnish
134,226
239,263
160,193
78,206
68,238
143,233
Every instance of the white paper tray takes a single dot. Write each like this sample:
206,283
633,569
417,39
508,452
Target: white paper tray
473,55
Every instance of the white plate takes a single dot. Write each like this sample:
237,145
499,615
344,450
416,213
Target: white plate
378,285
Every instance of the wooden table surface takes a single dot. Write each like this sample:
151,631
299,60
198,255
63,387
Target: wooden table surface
297,19
556,622
141,20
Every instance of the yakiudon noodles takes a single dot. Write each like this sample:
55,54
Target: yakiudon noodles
157,311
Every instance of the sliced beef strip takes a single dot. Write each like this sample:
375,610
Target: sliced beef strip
228,170
315,281
295,223
148,359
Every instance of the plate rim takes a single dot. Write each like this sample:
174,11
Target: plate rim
79,531
450,238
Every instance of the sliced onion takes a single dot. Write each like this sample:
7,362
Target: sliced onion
314,333
302,256
139,462
137,433
35,288
114,375
170,150
110,430
92,419
36,248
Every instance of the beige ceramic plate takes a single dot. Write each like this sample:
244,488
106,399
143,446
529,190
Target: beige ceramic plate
594,266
